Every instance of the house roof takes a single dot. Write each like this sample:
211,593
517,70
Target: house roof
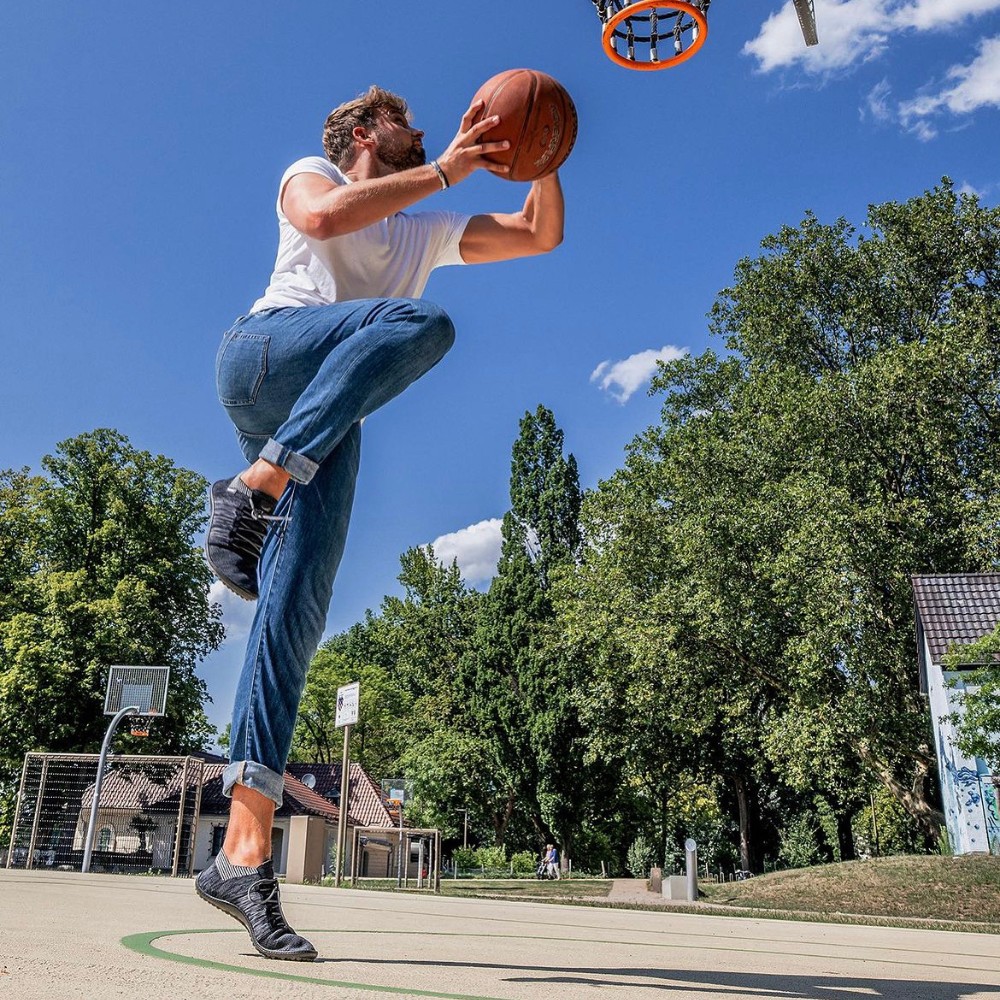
145,789
953,609
367,807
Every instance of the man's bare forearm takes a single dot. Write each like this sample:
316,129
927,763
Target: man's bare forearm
545,211
350,207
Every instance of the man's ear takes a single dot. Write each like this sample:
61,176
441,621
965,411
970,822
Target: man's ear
360,134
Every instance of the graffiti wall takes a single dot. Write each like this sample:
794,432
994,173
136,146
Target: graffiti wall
968,791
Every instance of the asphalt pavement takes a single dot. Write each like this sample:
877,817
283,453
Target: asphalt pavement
65,935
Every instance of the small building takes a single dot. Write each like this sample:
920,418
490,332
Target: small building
168,814
954,610
310,790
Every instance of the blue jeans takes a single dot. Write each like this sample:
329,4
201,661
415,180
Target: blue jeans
297,382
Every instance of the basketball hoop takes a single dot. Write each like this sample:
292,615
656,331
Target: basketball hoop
634,32
139,724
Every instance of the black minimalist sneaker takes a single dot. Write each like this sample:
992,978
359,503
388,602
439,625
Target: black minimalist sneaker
253,900
236,530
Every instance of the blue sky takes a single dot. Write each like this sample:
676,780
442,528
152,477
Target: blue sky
140,147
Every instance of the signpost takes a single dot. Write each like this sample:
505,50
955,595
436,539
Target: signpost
348,699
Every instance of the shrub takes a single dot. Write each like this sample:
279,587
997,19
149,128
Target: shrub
524,863
799,846
491,857
464,858
641,857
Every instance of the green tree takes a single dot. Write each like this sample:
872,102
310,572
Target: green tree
978,724
98,566
523,684
755,551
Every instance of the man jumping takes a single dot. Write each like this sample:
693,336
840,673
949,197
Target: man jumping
339,331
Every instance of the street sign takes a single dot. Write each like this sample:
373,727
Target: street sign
348,697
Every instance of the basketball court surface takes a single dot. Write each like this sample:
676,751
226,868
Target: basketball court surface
68,935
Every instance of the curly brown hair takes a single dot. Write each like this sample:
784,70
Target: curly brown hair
364,110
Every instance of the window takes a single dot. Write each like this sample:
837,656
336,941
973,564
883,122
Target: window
106,838
218,837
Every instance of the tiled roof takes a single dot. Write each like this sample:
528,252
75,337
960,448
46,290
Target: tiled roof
307,800
366,807
146,787
136,791
955,609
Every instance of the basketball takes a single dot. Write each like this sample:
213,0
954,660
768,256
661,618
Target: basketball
537,117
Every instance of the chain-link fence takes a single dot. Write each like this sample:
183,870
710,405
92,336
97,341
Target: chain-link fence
147,817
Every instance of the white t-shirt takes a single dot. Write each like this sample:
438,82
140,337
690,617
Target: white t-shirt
392,259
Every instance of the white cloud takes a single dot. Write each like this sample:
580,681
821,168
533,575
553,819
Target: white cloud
877,103
852,31
475,548
926,14
237,614
632,372
969,88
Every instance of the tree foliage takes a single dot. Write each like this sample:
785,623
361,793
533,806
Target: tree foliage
718,640
98,567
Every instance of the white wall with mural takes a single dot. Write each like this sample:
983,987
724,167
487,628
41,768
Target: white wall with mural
968,790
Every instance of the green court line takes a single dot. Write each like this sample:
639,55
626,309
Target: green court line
142,944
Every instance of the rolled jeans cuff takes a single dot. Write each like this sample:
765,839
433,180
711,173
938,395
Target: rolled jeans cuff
256,776
300,468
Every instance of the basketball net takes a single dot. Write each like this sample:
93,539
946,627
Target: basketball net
652,34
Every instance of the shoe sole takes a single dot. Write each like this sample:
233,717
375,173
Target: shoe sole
246,595
233,911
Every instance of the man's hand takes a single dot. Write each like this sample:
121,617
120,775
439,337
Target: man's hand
466,153
319,208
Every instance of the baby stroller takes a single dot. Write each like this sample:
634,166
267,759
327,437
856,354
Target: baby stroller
542,871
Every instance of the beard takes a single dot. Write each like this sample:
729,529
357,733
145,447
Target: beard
400,157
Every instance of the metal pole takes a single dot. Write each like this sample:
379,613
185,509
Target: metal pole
355,838
345,790
437,860
691,856
197,813
180,820
399,859
871,797
17,810
102,764
29,862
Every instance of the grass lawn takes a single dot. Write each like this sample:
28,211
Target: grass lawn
562,891
947,892
965,888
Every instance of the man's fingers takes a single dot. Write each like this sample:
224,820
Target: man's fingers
484,126
474,107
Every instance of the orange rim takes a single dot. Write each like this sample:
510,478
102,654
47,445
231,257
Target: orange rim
607,36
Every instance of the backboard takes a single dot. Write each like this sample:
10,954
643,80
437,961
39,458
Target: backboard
143,688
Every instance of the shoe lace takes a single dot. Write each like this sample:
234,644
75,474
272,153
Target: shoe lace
269,899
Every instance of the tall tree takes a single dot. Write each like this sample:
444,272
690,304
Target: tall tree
523,687
847,438
99,566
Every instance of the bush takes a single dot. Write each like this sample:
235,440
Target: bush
464,858
799,846
491,857
524,863
641,857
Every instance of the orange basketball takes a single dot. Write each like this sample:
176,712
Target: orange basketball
538,118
